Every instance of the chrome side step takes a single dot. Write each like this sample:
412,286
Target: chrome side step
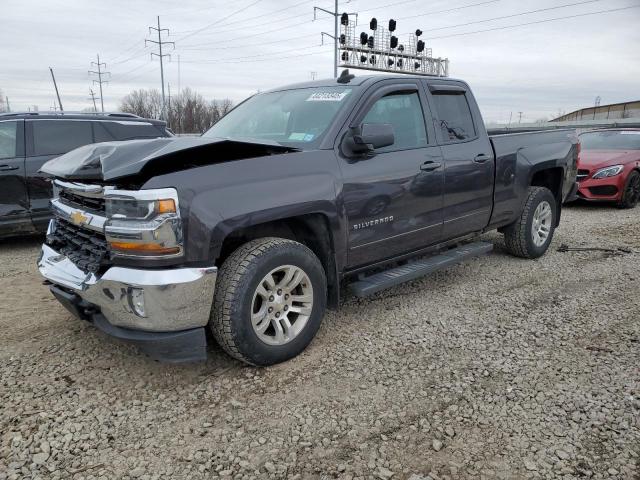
418,268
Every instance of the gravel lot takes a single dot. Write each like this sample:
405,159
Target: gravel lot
498,368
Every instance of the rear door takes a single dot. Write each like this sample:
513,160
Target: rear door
47,139
14,199
468,158
393,200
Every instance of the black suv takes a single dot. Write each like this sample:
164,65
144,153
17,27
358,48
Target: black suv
28,140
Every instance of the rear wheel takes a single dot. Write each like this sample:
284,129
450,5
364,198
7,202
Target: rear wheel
269,301
531,235
631,193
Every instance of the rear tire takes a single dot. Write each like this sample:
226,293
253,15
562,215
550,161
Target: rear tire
631,193
269,301
531,235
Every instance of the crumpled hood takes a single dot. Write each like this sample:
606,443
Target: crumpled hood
111,160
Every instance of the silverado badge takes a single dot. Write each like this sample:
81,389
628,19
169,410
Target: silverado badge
78,218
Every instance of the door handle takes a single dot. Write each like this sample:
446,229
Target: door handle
430,166
7,168
483,157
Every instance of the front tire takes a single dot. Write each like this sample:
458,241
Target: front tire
531,235
631,193
269,301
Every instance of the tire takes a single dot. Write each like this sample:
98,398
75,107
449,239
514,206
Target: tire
243,293
520,237
631,193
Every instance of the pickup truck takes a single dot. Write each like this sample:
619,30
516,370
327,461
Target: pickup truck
250,231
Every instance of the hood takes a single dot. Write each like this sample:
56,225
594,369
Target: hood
603,158
112,160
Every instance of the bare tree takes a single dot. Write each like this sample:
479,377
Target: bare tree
189,112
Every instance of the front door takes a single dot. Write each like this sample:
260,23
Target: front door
468,158
14,199
393,200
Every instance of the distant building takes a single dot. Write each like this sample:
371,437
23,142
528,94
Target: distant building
603,112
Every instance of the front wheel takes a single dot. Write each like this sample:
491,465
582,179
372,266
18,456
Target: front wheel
631,193
269,301
531,235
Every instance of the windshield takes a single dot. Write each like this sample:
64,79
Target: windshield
611,140
295,118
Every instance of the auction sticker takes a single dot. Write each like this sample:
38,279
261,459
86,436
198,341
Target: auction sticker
630,132
328,96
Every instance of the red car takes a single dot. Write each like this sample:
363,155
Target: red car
609,166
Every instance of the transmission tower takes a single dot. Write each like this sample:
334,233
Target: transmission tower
160,55
100,73
93,97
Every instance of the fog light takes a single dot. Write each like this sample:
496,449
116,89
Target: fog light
136,301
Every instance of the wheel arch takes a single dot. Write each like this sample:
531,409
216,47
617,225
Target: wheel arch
551,178
312,230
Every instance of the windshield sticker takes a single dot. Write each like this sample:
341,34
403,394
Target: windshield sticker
328,96
298,137
631,132
308,137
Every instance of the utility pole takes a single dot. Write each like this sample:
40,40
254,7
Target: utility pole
160,55
8,106
100,81
510,116
169,106
519,117
56,87
179,75
313,75
93,97
334,36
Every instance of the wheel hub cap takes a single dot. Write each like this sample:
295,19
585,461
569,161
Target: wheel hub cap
541,226
282,304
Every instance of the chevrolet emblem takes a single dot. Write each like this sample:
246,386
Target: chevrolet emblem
78,218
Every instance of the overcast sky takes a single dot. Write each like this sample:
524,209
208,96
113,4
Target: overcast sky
231,49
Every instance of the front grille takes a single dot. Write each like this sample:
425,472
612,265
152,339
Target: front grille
87,249
94,204
582,174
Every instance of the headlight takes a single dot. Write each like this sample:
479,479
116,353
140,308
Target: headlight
611,171
144,223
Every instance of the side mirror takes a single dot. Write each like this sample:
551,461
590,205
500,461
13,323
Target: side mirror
369,136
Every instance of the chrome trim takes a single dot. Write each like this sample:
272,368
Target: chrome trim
175,299
64,211
153,194
83,189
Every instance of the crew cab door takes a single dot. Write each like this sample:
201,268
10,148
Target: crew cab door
47,139
14,199
393,199
468,158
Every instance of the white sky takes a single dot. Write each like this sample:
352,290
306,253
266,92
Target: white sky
537,69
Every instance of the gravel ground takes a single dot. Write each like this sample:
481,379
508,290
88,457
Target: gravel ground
497,368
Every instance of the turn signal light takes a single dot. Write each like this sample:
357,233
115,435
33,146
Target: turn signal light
146,248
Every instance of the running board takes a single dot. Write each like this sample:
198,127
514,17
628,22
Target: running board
418,268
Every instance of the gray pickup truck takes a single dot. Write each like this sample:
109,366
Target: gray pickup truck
249,231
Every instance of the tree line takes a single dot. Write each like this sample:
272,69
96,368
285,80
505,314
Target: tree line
187,112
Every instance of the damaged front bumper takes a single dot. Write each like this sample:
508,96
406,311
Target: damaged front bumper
163,311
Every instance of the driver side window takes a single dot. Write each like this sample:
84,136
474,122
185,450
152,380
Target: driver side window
404,112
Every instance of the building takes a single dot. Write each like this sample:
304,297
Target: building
603,112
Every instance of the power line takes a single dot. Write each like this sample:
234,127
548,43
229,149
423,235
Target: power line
221,20
535,23
161,56
510,16
99,81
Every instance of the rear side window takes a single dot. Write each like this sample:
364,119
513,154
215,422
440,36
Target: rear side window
454,116
55,137
8,139
131,130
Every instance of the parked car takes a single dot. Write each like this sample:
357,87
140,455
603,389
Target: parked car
28,140
609,166
250,230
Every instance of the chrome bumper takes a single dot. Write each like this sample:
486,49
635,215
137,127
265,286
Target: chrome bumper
174,299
